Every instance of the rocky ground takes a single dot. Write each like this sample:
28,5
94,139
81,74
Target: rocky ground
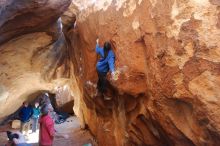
76,136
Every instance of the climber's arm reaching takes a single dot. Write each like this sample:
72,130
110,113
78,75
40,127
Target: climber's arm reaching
97,49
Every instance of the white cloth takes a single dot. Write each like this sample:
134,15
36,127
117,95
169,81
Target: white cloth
21,138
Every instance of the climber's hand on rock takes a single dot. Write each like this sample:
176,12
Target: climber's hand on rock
112,75
97,41
115,75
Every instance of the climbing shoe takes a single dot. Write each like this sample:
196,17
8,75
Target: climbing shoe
106,97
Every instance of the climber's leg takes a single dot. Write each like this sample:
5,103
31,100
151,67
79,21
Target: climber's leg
101,85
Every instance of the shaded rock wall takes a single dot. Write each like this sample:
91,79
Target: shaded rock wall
20,17
168,53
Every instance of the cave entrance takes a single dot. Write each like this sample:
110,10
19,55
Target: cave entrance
67,124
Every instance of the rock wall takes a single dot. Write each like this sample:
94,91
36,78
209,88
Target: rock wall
168,54
33,51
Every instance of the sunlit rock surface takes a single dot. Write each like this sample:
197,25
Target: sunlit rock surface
168,54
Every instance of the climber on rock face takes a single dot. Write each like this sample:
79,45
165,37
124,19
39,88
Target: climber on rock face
104,64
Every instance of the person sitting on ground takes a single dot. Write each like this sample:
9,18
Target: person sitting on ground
16,139
47,130
25,115
104,64
35,117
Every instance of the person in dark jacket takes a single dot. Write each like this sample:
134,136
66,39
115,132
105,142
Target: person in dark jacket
25,115
105,64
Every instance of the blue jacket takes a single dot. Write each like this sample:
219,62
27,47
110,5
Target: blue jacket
25,114
105,64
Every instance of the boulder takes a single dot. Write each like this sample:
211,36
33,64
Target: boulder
16,124
168,94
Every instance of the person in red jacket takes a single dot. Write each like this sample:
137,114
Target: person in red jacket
47,131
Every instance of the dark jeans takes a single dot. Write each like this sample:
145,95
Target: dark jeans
102,82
